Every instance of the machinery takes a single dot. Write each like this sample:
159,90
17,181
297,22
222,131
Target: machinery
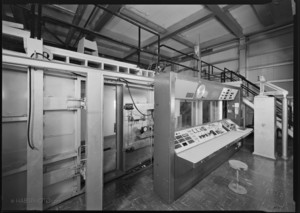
60,137
186,149
266,121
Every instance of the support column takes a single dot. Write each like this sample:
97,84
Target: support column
211,111
242,57
244,114
220,110
284,128
34,195
94,143
35,153
200,112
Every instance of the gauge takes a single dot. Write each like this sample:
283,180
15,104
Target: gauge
200,91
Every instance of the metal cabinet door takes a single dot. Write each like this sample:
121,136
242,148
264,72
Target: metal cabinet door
61,138
13,143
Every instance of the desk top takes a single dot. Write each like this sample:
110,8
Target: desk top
201,151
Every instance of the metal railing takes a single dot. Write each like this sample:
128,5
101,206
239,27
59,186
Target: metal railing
211,72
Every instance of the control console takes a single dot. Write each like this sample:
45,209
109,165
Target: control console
188,138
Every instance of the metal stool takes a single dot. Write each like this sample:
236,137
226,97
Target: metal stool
238,166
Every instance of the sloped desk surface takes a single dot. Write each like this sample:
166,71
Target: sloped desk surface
198,153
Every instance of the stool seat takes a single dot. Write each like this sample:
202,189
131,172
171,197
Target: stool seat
238,165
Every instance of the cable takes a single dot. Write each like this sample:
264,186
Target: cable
30,144
123,79
29,113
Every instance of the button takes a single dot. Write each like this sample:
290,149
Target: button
177,146
212,132
185,135
178,137
191,141
181,140
184,144
188,138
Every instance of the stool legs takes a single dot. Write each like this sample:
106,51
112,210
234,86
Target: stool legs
237,179
235,187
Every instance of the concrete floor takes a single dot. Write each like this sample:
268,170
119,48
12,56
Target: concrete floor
269,184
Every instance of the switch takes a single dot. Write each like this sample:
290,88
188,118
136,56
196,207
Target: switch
177,146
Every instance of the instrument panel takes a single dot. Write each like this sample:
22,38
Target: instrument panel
228,94
188,138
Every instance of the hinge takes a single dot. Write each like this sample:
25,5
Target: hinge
73,103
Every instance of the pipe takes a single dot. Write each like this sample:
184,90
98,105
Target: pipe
39,22
32,21
180,65
163,45
86,23
158,50
54,20
284,127
57,21
139,50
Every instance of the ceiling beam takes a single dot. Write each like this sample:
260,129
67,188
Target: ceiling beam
141,20
105,18
20,16
62,9
55,36
207,45
227,20
185,24
76,20
58,11
251,32
231,7
86,31
183,41
153,26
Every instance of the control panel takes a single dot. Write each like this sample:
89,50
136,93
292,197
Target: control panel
228,94
188,138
